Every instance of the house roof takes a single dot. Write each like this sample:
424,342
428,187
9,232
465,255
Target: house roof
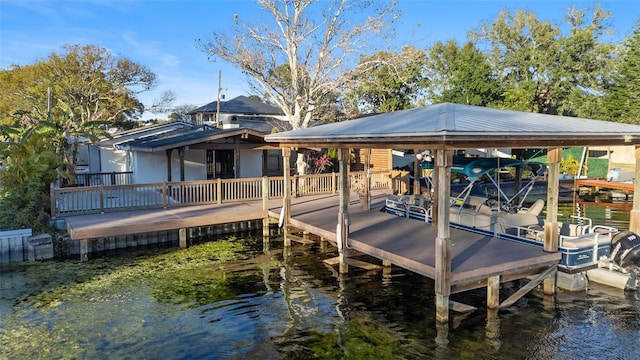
458,126
195,135
144,132
239,105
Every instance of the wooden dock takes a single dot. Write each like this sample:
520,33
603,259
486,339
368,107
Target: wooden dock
604,184
410,244
407,243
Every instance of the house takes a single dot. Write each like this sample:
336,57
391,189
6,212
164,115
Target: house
233,147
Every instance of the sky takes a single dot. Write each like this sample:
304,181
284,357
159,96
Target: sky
162,34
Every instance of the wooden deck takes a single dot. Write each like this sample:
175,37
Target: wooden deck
410,244
407,243
604,184
119,223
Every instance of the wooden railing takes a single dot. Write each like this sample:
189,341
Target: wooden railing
106,178
101,198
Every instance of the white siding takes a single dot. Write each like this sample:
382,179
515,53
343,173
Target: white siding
150,168
113,160
250,164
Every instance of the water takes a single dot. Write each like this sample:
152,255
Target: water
238,299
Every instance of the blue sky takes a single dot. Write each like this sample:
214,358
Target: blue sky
161,34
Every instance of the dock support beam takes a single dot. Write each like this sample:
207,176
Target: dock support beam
493,292
343,210
444,160
554,156
84,250
634,218
182,238
286,201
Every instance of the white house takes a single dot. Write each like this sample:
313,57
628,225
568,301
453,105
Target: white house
181,151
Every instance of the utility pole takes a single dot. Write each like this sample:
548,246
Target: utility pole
218,102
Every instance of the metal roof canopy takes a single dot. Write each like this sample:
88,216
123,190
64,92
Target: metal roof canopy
455,126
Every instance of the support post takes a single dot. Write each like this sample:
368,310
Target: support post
634,217
182,238
181,157
416,176
168,152
493,292
84,250
286,200
265,207
554,156
444,160
367,183
343,210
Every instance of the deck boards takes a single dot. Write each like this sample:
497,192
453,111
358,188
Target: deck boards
407,243
411,244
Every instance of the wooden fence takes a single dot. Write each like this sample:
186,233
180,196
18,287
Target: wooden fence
102,198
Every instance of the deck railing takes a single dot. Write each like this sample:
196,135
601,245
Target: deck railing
101,198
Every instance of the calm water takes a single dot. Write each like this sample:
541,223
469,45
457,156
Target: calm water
275,305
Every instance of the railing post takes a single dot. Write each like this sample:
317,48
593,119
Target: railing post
295,185
101,199
164,194
334,182
265,193
219,190
52,196
113,178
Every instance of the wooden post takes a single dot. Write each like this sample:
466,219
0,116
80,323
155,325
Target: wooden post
84,250
434,198
343,210
444,160
219,190
554,156
416,176
286,200
367,183
181,157
265,207
101,199
265,193
493,292
168,152
634,216
182,238
52,199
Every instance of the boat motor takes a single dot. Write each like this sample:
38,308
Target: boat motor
625,250
625,254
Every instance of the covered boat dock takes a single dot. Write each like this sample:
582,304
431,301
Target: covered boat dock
456,259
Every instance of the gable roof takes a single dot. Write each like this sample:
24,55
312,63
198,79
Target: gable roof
144,132
458,126
239,105
194,135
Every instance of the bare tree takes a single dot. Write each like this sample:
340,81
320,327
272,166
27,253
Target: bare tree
301,55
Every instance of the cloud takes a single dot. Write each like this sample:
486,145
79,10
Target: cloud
150,50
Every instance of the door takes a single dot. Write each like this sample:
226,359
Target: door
224,164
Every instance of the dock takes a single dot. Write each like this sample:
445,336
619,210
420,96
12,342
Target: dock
604,184
410,244
407,243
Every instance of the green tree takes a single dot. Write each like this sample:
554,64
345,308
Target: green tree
79,92
622,100
461,75
388,81
31,164
313,39
544,70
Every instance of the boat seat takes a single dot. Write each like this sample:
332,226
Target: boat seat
536,207
584,241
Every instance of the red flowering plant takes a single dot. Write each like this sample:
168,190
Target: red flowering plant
319,162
